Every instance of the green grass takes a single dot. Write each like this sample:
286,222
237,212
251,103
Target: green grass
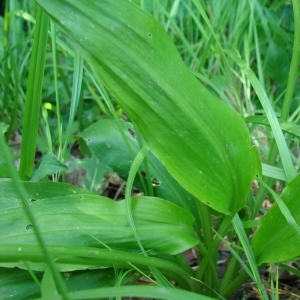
65,85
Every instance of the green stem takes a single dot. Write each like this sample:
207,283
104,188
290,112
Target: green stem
211,276
231,270
204,217
213,248
232,286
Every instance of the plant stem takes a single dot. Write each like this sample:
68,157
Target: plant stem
231,270
211,276
232,286
213,248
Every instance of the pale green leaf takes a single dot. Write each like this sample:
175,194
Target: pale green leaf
203,143
273,172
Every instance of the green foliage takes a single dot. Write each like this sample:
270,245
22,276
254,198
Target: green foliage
49,165
282,219
136,85
98,221
106,142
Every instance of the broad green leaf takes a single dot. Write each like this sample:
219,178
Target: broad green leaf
106,142
83,219
276,238
203,143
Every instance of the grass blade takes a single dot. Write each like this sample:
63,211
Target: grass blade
288,167
239,229
77,82
34,93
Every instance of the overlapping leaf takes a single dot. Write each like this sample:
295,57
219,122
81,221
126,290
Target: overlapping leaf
276,240
106,142
202,142
70,216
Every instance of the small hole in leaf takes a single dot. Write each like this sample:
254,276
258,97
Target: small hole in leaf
150,35
132,133
32,200
28,227
155,181
144,174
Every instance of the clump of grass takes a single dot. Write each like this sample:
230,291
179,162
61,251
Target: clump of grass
238,50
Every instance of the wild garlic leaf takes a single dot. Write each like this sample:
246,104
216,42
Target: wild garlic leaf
203,143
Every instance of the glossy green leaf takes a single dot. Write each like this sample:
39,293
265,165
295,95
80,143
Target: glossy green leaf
71,216
276,238
106,142
202,142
